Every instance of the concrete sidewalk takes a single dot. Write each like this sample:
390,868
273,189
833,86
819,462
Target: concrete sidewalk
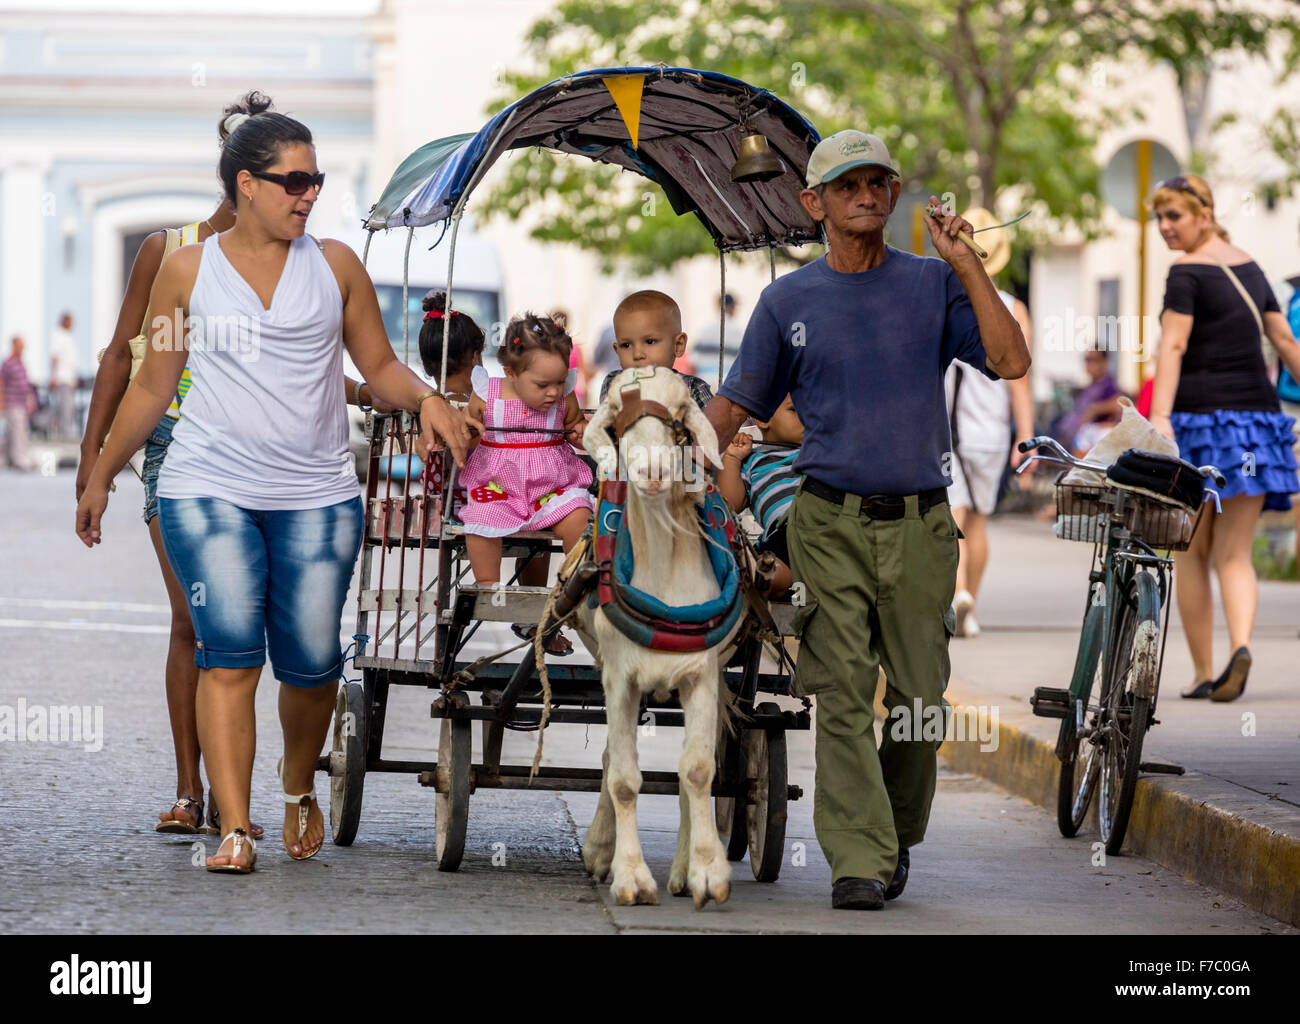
1233,820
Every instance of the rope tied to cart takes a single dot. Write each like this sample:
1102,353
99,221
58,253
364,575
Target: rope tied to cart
569,571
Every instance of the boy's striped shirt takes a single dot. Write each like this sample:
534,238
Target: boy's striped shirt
770,482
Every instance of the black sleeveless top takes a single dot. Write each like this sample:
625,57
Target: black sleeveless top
1223,367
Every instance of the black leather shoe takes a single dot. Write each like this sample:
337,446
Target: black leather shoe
899,882
1232,684
858,894
1199,691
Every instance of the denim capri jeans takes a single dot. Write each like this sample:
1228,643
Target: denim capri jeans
265,580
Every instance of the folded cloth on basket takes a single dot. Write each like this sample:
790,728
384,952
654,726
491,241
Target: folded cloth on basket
1132,431
1166,478
1090,528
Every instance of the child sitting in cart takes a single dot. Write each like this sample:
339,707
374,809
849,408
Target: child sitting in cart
465,342
765,481
523,474
648,332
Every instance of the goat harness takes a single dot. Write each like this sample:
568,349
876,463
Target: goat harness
644,619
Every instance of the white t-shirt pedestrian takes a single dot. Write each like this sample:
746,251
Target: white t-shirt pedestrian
67,366
983,414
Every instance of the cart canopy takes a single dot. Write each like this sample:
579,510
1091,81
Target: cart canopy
679,127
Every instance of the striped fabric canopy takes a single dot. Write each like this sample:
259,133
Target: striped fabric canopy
687,130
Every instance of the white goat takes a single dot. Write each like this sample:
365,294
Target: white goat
671,563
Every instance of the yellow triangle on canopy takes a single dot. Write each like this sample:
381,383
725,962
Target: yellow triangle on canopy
626,90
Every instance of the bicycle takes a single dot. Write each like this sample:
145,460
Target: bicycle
1111,702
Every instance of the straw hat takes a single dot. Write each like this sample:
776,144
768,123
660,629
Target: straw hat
995,243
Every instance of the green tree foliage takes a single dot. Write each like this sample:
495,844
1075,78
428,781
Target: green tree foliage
973,97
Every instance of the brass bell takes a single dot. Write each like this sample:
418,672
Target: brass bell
756,161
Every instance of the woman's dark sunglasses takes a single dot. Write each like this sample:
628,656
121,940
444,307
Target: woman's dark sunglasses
1181,184
295,182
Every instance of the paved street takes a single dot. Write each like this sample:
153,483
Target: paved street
89,628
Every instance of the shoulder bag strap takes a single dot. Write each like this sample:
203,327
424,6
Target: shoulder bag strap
1254,309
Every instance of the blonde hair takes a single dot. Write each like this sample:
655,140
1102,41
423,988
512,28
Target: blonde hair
1194,198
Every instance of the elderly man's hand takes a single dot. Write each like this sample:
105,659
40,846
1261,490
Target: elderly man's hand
438,420
943,233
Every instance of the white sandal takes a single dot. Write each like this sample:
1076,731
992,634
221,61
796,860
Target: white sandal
303,806
240,837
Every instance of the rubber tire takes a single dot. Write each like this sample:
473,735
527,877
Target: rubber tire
1139,721
1123,772
768,772
1073,800
346,788
451,810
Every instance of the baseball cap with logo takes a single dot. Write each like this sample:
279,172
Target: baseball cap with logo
843,151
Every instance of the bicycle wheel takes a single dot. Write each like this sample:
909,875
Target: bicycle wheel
1126,714
1080,760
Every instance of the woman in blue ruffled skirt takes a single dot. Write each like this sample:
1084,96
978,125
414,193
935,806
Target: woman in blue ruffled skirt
1213,396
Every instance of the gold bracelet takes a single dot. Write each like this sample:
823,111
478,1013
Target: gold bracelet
419,399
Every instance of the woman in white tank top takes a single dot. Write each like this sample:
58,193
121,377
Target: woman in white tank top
258,504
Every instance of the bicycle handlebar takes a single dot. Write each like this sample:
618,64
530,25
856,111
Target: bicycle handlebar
1061,455
1213,473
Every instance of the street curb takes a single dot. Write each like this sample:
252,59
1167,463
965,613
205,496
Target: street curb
1174,821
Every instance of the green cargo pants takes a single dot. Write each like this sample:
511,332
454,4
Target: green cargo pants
878,593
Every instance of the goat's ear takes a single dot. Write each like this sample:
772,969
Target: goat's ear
596,439
702,429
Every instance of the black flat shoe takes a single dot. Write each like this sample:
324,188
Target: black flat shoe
858,894
1232,684
899,882
1199,690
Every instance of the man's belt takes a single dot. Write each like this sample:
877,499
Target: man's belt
878,506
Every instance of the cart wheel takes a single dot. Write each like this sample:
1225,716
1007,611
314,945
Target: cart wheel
728,812
766,771
451,814
348,762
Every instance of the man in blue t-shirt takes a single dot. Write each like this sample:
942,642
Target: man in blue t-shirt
861,339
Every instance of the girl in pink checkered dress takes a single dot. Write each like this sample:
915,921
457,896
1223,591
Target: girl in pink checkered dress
528,479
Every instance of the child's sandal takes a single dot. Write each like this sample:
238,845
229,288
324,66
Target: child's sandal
557,644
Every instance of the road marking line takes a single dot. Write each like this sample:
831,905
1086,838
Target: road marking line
114,606
102,627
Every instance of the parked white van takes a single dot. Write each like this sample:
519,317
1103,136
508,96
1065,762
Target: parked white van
478,291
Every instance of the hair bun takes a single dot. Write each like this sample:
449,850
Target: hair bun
250,105
435,302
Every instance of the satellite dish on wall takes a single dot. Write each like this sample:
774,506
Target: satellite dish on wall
1119,180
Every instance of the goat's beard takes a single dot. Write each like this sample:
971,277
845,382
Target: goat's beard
666,514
